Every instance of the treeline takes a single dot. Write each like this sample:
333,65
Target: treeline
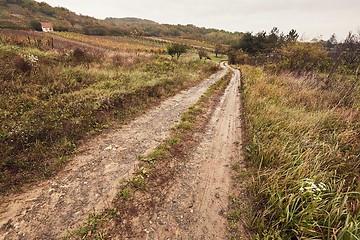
142,27
281,51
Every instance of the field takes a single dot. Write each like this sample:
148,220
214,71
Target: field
53,96
303,150
79,114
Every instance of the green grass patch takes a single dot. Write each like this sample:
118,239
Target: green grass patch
92,228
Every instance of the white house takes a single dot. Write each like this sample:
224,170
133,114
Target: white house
47,27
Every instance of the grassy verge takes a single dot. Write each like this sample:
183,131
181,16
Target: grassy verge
49,100
136,196
303,149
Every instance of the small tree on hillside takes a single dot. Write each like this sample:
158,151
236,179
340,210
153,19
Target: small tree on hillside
35,25
219,49
176,49
292,36
202,53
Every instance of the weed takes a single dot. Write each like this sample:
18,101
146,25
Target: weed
138,182
125,194
155,155
235,167
173,140
91,230
184,125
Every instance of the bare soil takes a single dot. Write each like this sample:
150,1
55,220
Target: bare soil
48,209
197,204
189,194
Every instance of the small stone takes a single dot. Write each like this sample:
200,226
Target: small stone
108,148
16,225
217,195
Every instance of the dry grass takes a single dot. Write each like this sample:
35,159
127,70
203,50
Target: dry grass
304,150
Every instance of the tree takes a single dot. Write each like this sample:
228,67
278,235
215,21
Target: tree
202,53
292,36
246,43
351,48
176,49
36,25
331,42
219,49
274,39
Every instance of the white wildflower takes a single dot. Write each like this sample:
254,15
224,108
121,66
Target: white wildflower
322,186
31,58
312,189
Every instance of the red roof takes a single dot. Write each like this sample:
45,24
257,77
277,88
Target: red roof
46,25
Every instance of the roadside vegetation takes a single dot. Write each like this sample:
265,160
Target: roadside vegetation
304,149
302,146
52,98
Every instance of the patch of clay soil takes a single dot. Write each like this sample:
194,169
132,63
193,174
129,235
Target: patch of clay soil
196,203
89,181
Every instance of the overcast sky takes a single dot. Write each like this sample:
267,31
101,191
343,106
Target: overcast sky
311,18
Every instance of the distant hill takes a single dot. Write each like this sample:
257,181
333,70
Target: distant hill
22,14
145,27
19,14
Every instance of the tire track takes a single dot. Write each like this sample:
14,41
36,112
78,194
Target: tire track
196,205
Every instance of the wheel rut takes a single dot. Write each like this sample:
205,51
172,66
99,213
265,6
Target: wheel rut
196,205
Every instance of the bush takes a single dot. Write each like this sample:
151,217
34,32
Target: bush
36,25
22,65
303,57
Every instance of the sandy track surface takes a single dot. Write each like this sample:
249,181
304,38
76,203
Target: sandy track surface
90,179
196,205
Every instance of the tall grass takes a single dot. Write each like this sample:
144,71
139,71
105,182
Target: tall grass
50,99
304,152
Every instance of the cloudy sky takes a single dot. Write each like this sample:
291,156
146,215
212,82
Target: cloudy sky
311,18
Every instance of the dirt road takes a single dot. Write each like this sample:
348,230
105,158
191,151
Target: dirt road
197,203
89,181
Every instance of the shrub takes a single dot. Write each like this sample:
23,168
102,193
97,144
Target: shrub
22,65
79,54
